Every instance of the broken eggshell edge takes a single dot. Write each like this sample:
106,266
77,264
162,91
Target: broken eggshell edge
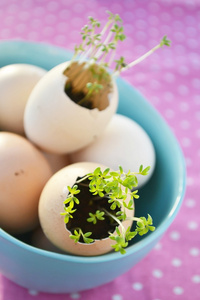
51,205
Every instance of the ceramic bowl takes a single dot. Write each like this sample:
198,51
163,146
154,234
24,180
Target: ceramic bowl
47,271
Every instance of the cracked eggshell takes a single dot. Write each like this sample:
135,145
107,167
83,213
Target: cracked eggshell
57,124
16,84
51,205
124,142
23,174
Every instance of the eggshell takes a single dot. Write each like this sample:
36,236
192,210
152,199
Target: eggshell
16,84
51,205
125,143
23,174
56,123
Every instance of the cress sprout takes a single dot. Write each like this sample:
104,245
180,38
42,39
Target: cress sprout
116,187
88,73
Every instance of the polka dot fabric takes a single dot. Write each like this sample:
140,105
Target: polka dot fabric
170,80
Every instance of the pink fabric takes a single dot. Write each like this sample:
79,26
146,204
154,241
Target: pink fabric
170,80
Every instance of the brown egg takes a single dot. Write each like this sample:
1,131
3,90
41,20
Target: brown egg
51,205
23,174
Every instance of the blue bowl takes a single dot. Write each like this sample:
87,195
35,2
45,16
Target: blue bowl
46,271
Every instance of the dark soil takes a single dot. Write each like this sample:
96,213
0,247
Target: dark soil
89,203
76,97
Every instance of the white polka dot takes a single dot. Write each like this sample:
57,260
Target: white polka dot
186,142
175,235
24,15
179,36
192,225
48,31
60,39
169,77
12,8
117,297
183,70
5,33
155,100
39,11
183,90
188,161
178,25
194,252
52,6
154,7
140,77
78,7
154,84
189,181
191,31
140,35
184,124
33,35
197,115
196,83
168,96
137,286
198,133
169,113
33,292
197,99
75,295
196,278
50,19
157,273
190,203
184,106
158,246
178,290
20,28
140,12
176,262
177,11
192,43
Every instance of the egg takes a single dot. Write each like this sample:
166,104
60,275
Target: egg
51,205
16,84
125,143
23,174
57,124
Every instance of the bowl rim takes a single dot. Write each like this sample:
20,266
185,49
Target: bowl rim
154,236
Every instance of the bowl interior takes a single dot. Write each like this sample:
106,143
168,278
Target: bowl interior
162,195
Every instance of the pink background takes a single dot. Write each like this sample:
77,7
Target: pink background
170,80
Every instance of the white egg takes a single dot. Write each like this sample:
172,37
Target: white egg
16,84
124,143
56,123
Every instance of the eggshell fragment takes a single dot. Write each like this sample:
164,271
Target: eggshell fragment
16,84
56,123
125,143
23,174
51,205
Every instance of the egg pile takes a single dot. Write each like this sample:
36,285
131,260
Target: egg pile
43,131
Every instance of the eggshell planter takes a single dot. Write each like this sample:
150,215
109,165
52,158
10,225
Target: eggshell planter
51,205
56,123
